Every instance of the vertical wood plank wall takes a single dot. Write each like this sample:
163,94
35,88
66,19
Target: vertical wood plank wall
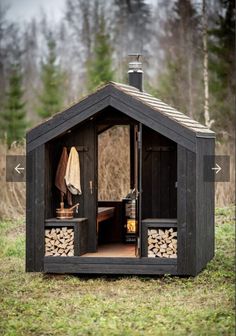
30,164
52,156
35,210
186,211
83,136
205,205
159,175
90,196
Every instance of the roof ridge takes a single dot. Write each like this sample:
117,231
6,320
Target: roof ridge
164,108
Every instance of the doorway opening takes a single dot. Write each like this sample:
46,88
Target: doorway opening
114,185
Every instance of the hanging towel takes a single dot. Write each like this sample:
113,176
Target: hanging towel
60,176
72,176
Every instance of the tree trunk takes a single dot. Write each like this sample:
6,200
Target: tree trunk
208,122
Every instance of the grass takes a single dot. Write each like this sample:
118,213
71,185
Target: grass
37,304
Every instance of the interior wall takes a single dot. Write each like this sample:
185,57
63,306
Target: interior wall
83,136
159,176
53,153
52,195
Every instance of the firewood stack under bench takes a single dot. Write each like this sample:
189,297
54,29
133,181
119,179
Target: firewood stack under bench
162,243
59,242
65,238
159,238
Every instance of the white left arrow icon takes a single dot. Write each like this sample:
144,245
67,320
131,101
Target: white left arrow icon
217,168
18,168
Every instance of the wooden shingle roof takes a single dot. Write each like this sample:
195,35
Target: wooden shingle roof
164,108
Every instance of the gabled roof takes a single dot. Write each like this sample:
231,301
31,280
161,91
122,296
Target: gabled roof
140,106
165,109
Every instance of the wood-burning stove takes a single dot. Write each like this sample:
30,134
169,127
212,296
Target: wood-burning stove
130,218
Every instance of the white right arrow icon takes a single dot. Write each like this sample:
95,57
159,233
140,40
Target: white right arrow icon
217,168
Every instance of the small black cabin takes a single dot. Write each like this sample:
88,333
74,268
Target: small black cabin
165,226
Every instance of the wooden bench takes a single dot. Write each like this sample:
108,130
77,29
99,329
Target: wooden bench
104,213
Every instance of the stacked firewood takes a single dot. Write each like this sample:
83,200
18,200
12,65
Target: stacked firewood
162,243
59,242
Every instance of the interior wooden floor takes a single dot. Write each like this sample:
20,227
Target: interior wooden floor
114,250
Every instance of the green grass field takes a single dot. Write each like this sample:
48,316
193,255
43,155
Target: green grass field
37,304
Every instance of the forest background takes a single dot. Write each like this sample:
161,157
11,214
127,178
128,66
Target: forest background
188,50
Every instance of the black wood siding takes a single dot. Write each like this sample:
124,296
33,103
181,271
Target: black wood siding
186,213
159,175
35,210
204,207
93,265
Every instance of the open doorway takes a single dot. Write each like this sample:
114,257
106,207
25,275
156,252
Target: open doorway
115,182
114,163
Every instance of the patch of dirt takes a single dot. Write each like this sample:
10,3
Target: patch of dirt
14,232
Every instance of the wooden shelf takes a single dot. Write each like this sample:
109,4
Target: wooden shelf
55,222
160,222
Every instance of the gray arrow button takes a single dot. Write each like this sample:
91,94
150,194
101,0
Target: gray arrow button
217,168
15,168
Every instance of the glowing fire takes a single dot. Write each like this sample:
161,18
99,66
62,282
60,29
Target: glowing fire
131,225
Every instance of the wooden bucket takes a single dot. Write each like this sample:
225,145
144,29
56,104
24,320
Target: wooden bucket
63,213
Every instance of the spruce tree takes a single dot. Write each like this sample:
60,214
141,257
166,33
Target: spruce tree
51,97
13,117
100,67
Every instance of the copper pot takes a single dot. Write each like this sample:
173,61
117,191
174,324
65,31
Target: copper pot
63,213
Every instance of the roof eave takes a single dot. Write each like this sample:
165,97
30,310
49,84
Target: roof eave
209,135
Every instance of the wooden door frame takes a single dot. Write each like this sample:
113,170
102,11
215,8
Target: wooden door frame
138,183
140,162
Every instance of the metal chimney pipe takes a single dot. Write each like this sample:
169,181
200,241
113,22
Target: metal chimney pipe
135,73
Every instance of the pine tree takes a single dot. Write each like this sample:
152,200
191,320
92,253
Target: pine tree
51,97
222,67
100,67
13,116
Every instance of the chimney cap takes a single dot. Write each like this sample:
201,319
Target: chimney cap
138,55
135,66
135,71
